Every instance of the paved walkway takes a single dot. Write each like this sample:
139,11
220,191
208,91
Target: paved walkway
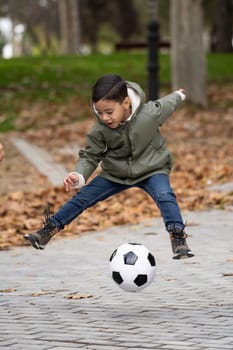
63,297
42,161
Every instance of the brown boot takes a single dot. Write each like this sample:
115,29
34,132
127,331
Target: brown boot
40,238
179,244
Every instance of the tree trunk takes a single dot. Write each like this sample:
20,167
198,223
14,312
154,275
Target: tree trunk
70,26
153,51
188,56
222,29
75,30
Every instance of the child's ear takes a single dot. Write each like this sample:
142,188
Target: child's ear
127,103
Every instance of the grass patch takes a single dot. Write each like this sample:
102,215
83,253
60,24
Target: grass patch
220,67
34,77
56,79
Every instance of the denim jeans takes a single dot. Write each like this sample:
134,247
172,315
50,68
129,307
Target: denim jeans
157,186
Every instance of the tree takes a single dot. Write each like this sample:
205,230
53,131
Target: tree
39,19
121,17
93,14
2,42
153,51
48,22
70,27
125,19
221,35
188,56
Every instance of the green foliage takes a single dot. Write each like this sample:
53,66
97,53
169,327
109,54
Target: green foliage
220,67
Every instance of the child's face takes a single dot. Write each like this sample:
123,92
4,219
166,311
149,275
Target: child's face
113,113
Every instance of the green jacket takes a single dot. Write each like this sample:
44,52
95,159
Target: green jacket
134,150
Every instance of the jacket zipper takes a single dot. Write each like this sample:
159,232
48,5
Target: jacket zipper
130,149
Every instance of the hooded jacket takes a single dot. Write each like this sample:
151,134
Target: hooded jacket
134,150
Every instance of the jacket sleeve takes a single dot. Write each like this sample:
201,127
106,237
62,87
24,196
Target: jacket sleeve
165,106
90,157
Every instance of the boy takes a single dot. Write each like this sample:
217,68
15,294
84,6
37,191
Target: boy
127,141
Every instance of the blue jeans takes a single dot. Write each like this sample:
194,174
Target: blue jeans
157,186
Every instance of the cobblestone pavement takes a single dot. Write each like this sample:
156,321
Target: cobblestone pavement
63,297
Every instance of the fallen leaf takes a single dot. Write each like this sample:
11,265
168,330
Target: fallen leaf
38,294
8,290
78,296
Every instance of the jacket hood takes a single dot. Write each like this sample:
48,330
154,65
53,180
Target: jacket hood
136,95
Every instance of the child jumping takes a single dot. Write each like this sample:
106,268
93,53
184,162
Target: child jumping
127,143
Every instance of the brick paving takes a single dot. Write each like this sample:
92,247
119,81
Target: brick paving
63,297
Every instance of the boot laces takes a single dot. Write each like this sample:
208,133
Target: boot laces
48,226
179,236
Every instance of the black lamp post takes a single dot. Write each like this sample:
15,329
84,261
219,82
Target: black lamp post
153,52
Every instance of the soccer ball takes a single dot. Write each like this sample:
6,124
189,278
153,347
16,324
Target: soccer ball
132,266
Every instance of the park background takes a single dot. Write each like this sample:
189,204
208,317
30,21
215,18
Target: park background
55,51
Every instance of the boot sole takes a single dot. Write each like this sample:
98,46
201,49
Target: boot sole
35,244
183,255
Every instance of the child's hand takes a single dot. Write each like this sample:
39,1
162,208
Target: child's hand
70,180
183,91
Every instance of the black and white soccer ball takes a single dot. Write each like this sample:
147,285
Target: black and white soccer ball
132,266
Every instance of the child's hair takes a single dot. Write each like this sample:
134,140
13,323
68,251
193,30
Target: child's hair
109,87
